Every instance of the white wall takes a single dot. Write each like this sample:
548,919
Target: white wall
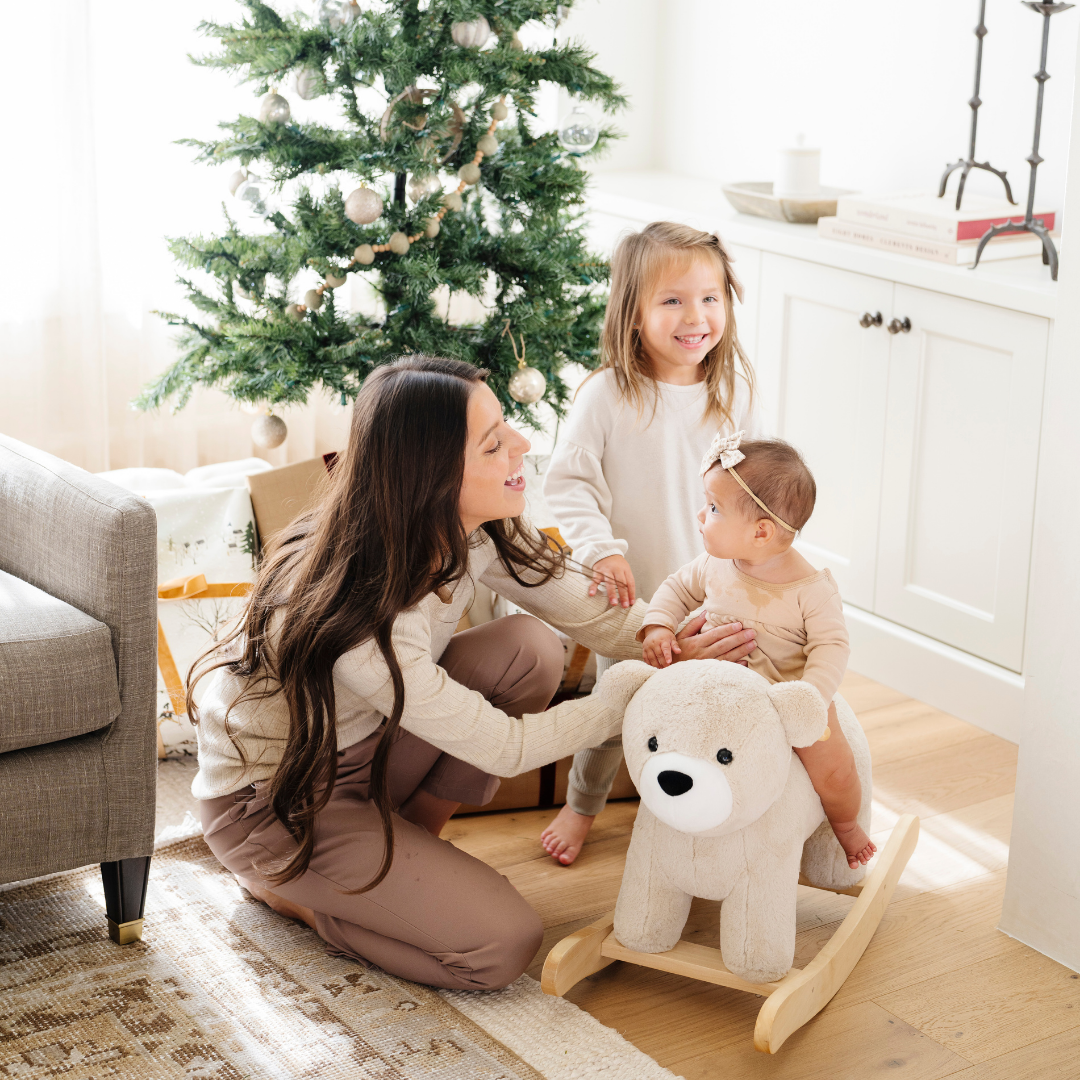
1042,895
719,85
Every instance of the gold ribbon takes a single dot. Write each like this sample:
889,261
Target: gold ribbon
746,487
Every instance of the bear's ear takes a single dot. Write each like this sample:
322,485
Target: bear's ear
623,680
802,710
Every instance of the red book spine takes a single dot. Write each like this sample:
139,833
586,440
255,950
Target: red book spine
972,230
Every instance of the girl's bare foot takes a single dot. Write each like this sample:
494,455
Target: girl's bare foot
563,838
279,903
858,847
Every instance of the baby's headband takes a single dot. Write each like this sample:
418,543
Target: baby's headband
725,450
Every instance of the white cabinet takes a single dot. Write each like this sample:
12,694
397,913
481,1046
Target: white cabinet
958,484
924,445
822,378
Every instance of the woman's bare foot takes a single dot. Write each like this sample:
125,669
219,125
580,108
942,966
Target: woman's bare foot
858,847
563,838
279,903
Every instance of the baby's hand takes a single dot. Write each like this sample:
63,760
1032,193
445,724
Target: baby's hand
658,645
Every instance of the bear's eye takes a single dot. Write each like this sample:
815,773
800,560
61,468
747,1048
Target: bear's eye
725,756
653,744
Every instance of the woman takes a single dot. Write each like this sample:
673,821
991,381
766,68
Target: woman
342,724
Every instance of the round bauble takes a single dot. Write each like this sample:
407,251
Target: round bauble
294,312
527,385
308,81
331,13
452,200
431,229
269,431
253,194
471,34
274,109
399,243
488,145
364,255
335,282
313,299
499,111
236,179
422,184
470,173
363,206
579,131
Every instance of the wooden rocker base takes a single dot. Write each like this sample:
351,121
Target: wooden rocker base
793,1000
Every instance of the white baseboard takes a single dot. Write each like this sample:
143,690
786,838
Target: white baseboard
974,690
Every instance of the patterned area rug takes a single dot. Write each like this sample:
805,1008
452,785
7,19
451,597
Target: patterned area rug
224,989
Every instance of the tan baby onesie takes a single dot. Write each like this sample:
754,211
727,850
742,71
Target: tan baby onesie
800,626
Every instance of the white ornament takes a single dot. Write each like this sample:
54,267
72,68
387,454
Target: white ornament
578,132
254,197
236,179
363,206
472,34
308,81
527,385
421,184
332,13
399,243
269,431
274,109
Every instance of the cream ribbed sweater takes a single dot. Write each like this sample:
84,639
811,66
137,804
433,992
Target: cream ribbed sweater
620,484
446,714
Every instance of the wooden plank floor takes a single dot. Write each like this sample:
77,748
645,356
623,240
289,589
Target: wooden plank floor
939,992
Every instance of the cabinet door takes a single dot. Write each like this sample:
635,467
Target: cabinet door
823,380
958,487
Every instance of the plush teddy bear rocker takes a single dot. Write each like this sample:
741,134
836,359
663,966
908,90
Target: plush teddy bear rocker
727,809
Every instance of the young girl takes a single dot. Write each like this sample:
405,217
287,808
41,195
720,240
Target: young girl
750,573
623,480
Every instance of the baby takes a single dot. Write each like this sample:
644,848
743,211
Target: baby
750,573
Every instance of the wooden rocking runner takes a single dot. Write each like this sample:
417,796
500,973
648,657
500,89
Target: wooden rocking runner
793,1000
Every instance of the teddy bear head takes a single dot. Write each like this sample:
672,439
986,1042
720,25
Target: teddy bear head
708,743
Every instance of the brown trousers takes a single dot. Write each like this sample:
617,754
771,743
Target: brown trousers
440,916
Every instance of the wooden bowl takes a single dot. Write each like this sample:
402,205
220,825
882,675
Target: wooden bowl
759,200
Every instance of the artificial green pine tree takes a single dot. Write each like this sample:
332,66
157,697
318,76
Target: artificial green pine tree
514,238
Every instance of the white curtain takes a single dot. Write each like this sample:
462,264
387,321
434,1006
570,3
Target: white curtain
96,92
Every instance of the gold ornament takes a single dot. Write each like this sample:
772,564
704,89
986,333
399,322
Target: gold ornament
269,431
527,385
364,255
363,206
274,109
399,243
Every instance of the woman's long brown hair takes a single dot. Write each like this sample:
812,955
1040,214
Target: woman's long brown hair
387,533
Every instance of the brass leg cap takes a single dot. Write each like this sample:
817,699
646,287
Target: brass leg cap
126,932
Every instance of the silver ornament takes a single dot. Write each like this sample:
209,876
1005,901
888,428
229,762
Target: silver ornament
269,431
254,196
421,184
471,34
527,385
274,109
363,206
308,81
579,131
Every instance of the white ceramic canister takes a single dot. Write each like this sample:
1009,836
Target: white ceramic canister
799,171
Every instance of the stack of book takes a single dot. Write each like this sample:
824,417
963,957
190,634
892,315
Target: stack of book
919,224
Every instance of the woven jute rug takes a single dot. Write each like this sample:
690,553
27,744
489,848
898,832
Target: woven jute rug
223,989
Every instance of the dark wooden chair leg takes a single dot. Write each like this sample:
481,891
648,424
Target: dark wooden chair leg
125,884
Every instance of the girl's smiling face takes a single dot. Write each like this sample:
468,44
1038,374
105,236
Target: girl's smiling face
682,320
493,486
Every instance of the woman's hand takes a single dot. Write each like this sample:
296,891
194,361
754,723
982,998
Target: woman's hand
727,642
615,575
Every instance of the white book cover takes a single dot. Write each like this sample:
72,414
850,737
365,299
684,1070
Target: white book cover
951,254
919,213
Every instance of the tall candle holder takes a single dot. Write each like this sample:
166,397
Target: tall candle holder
969,163
1032,224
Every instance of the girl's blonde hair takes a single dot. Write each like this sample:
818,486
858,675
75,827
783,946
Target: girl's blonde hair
639,261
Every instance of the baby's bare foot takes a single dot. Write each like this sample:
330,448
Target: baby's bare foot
858,847
563,838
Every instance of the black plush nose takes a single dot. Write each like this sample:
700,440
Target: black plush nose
674,783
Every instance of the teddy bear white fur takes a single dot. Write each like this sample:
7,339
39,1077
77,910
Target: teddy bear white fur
727,810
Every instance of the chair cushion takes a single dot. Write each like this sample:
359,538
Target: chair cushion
57,668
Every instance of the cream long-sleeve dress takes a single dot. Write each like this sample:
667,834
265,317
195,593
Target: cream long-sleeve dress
623,484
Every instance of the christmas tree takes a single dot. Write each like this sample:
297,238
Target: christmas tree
433,183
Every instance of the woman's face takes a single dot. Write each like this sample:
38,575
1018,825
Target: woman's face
493,486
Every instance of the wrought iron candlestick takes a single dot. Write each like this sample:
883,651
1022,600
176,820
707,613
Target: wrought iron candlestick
969,163
1031,224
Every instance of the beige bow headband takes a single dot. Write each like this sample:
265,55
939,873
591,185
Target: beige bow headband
725,451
